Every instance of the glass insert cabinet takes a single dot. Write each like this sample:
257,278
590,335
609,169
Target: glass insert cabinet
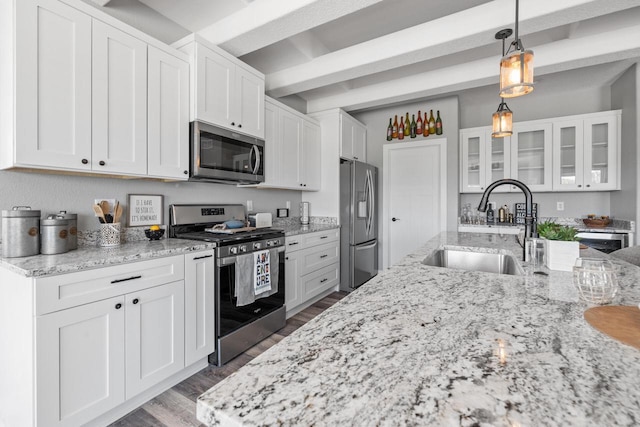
575,153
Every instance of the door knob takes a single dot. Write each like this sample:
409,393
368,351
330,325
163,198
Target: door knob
394,219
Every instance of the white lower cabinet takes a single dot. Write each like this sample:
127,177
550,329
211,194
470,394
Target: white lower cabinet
312,267
199,303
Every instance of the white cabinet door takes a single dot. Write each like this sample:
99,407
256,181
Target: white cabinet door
119,135
293,289
154,335
80,362
214,85
53,86
568,155
473,161
311,166
347,135
601,153
531,155
199,302
498,158
272,146
168,116
291,144
249,98
359,143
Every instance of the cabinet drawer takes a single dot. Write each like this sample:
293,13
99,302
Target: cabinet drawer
319,256
303,241
315,283
69,290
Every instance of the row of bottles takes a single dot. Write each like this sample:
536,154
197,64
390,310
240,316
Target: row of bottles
413,128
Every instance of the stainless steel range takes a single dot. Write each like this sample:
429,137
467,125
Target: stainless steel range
240,323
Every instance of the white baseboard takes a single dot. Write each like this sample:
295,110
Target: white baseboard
309,303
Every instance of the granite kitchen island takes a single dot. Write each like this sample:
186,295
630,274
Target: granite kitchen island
421,345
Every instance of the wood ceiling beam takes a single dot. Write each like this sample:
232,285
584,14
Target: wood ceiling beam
451,34
553,57
266,22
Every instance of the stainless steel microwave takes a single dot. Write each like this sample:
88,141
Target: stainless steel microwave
224,156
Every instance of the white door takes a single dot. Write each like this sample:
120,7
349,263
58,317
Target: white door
249,95
293,284
291,137
154,335
568,155
601,153
272,145
473,161
215,82
531,155
415,196
168,118
311,167
360,143
80,362
346,137
53,85
119,91
199,302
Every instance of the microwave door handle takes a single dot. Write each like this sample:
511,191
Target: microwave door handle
255,150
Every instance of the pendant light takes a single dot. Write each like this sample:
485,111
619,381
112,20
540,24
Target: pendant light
503,117
516,68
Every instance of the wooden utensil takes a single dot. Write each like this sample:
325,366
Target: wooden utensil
104,205
621,323
117,213
98,210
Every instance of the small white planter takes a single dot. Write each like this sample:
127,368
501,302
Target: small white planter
561,255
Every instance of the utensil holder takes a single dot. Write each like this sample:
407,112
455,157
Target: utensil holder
109,235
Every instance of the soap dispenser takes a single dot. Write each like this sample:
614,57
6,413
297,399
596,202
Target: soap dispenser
491,216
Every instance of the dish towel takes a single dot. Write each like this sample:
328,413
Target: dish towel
257,276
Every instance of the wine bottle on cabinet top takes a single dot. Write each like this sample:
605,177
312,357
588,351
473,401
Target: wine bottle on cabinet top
432,123
412,131
419,124
394,131
389,130
401,130
438,124
407,125
425,126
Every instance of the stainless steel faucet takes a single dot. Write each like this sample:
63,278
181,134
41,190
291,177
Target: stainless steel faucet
530,227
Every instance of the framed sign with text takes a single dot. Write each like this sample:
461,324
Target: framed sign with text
145,209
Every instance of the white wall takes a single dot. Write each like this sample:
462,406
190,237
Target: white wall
625,95
377,121
75,194
554,96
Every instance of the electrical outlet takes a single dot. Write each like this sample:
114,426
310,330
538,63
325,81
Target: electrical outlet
250,205
288,204
560,206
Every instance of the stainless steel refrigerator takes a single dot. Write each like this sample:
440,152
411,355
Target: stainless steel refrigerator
359,224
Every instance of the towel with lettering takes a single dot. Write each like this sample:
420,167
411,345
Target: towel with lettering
256,276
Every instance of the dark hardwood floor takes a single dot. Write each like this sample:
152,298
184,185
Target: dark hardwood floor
177,406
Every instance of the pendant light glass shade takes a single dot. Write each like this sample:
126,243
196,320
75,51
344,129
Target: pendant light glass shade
502,121
516,74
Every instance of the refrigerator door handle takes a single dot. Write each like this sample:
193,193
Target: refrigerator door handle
372,200
367,190
370,246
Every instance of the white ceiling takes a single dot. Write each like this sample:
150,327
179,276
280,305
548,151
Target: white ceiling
360,54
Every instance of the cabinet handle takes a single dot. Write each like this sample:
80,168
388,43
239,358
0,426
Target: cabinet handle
127,279
323,280
323,256
286,258
136,300
186,172
324,237
355,158
305,185
239,125
85,161
588,185
101,163
293,243
579,185
233,123
118,306
202,257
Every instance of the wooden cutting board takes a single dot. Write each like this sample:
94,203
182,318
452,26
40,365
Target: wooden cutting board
621,323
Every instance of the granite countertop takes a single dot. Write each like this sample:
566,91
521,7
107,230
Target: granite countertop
86,257
421,345
295,229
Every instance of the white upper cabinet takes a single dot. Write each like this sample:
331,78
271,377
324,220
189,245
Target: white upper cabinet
531,155
168,116
292,149
353,141
52,87
473,164
225,92
88,97
119,136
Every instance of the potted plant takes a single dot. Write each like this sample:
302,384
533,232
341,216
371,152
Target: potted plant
561,245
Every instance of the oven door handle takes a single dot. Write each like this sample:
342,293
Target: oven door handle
228,260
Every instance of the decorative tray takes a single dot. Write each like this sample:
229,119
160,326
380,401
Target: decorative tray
596,222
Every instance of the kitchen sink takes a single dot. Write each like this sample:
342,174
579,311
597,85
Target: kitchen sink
475,261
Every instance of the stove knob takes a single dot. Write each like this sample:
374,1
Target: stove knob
243,248
233,250
269,243
257,245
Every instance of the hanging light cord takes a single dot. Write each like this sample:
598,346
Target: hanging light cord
516,43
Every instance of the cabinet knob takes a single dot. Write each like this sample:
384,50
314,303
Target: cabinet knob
286,258
118,306
394,219
239,125
135,301
85,161
101,163
588,185
355,157
579,185
186,172
305,185
233,123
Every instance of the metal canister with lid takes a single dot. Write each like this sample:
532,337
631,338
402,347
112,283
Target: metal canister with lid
54,231
72,237
20,232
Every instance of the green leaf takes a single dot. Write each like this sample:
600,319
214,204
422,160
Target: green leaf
553,231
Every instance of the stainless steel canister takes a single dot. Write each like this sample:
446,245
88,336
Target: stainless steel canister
20,232
72,237
54,231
